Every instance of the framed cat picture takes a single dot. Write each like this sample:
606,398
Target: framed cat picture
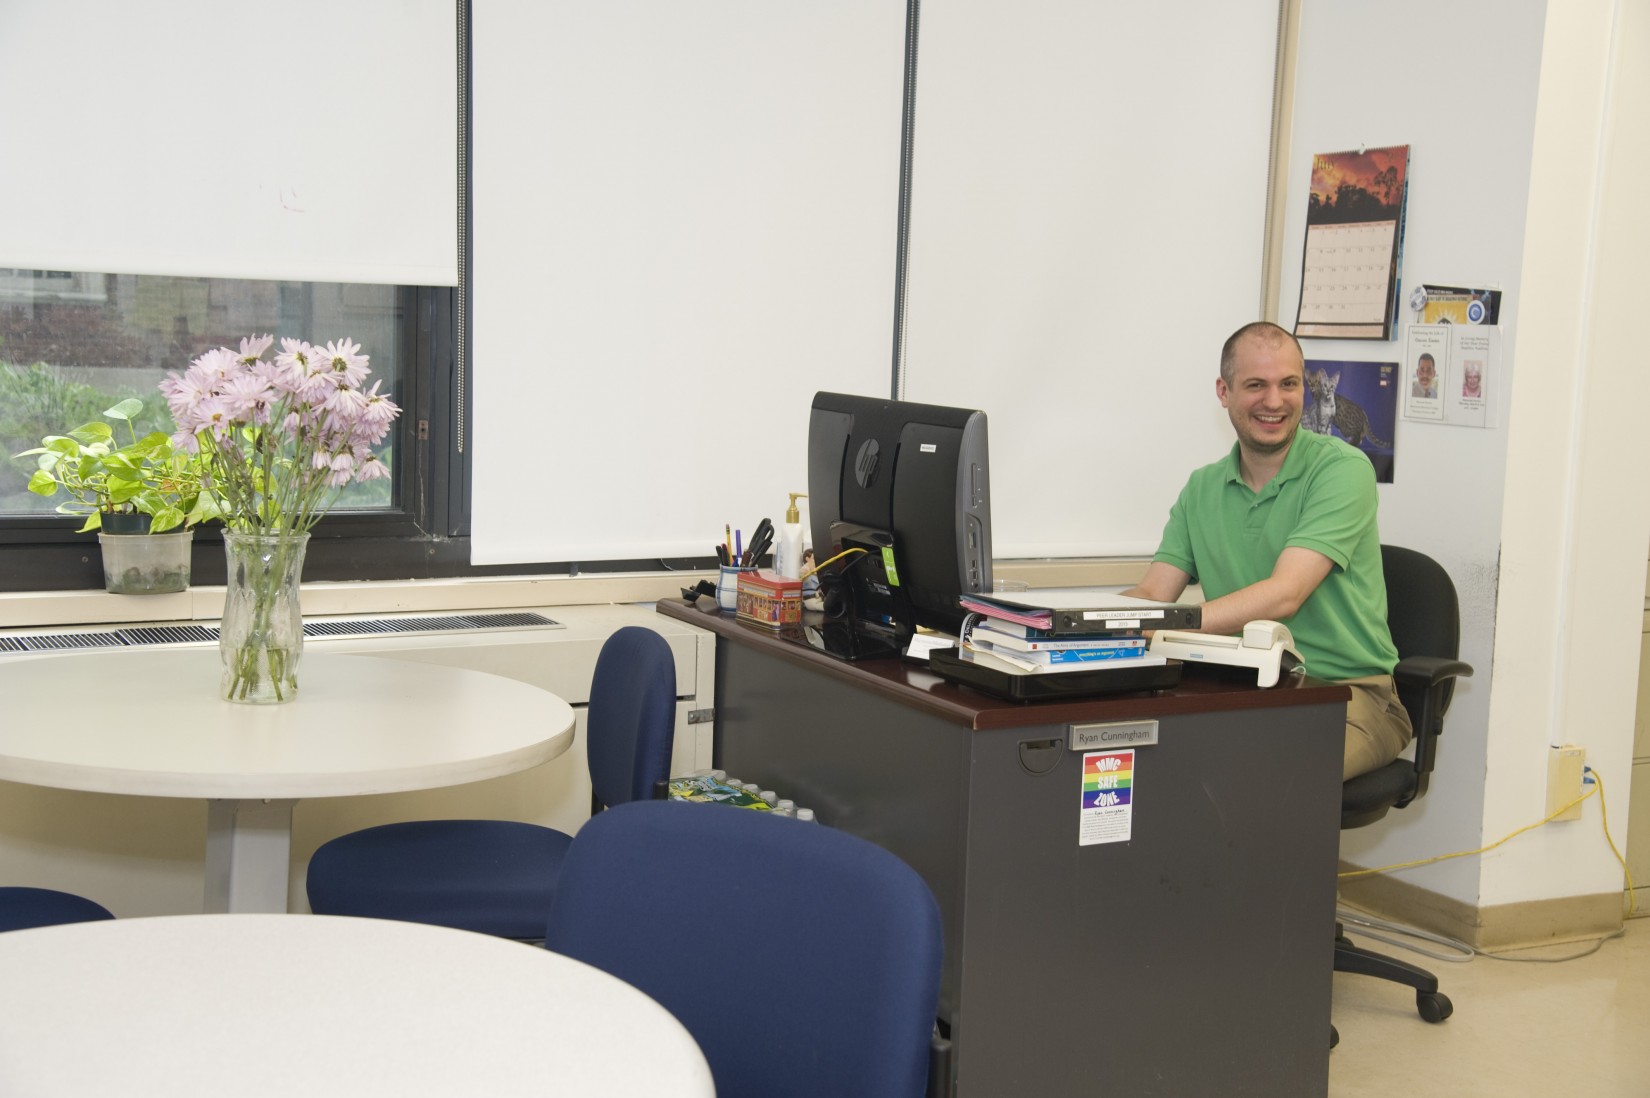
1357,402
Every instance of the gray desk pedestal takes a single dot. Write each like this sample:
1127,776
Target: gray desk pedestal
1195,958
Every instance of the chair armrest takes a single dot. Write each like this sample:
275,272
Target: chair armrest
1426,672
1425,684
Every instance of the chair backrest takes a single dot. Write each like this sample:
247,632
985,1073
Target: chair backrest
804,961
1424,617
631,722
25,908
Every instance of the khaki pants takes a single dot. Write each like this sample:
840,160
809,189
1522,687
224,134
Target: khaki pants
1377,725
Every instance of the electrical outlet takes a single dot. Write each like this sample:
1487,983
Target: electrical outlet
1565,764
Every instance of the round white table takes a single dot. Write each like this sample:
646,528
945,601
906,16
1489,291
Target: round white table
319,1005
150,723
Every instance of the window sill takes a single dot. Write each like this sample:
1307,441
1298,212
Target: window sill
28,609
38,608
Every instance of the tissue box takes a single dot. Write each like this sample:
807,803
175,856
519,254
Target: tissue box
770,599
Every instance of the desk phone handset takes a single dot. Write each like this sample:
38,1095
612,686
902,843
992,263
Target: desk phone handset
1265,645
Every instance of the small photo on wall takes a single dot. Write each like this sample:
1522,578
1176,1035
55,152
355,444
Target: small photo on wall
1357,402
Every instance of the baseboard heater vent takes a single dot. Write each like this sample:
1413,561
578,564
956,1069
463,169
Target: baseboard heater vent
144,635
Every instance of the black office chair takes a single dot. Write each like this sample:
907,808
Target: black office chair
1425,620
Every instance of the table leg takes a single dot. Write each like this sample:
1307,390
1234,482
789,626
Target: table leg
248,848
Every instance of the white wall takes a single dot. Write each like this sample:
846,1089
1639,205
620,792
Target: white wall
1457,83
1576,527
1524,128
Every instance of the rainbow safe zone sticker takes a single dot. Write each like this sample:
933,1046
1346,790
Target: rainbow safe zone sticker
1107,813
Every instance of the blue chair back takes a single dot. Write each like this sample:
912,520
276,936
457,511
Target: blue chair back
804,961
632,716
23,908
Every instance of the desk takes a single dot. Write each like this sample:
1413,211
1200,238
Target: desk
312,1004
150,723
1195,958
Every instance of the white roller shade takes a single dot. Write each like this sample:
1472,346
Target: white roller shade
684,222
1087,218
309,140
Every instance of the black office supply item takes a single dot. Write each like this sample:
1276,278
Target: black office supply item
953,665
1084,611
910,484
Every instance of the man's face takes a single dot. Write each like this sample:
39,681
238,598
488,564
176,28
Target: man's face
1265,395
1424,373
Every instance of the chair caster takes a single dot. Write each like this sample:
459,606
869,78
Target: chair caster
1433,1006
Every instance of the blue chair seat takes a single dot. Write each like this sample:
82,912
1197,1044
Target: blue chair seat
23,908
489,876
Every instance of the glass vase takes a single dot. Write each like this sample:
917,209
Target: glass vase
262,635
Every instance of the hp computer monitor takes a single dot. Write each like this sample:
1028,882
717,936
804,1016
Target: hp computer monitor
909,484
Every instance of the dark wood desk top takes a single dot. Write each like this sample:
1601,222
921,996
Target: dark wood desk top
1204,689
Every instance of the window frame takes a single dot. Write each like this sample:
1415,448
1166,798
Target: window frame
424,534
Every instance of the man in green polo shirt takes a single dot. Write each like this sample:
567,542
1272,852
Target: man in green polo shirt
1284,528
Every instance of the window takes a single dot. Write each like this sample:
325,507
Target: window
75,343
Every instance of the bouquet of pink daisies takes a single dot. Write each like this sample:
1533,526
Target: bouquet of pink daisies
280,439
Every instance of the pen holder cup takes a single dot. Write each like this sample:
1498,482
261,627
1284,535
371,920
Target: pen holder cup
727,587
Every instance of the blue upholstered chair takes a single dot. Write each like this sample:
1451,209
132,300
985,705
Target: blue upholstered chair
22,908
499,876
803,960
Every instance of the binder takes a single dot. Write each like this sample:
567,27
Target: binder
1083,611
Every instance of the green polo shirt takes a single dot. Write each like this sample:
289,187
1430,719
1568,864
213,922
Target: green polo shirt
1228,536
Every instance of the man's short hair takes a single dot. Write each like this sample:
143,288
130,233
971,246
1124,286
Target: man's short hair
1425,357
1261,330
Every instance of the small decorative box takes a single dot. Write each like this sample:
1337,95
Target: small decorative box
770,599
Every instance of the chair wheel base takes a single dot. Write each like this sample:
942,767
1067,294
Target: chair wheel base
1433,1006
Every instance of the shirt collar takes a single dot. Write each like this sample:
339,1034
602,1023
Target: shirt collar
1292,463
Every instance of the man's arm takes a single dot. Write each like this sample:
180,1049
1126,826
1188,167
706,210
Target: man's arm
1162,583
1295,576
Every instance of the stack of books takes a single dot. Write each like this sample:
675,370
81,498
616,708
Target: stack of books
994,639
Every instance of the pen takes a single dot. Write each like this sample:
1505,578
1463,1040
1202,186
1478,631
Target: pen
739,548
728,533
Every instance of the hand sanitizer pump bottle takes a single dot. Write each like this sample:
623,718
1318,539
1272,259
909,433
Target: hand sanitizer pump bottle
788,560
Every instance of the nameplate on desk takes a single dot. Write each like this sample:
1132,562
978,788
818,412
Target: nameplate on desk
1088,737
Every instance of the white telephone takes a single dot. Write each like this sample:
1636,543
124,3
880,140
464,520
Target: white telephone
1265,645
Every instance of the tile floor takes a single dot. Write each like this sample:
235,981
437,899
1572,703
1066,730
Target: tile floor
1579,1027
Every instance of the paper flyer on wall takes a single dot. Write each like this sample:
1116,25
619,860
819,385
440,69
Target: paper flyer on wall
1450,373
1436,304
1357,402
1354,237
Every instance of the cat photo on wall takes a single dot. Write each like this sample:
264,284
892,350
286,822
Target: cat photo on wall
1357,402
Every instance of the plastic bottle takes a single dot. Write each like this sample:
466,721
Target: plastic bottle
785,807
806,815
787,560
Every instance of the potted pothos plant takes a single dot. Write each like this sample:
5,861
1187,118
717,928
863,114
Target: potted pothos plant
143,497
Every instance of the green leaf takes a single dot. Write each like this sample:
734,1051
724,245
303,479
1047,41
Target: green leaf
89,434
43,483
126,409
164,518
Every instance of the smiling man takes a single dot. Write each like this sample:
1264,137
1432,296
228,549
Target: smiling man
1283,528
